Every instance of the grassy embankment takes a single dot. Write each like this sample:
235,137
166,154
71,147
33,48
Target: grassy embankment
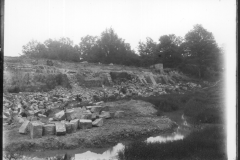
205,107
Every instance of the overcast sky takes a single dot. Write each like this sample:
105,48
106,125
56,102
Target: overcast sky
132,20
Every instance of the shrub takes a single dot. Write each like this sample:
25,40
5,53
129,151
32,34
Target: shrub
167,105
14,89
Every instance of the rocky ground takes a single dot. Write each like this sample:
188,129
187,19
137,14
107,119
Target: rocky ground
137,118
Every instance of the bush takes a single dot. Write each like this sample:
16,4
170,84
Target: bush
168,105
14,89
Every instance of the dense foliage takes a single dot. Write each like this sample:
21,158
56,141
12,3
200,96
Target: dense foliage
196,54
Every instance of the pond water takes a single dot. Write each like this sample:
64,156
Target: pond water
109,153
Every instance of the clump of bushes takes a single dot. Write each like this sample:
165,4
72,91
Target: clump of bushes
167,105
13,89
206,144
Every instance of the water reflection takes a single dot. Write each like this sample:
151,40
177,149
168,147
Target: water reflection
164,139
110,154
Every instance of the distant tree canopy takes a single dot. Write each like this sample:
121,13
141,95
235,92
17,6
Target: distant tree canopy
196,53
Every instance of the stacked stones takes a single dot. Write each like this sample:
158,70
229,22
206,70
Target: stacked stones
69,121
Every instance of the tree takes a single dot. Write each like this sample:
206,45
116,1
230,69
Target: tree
148,52
170,50
88,48
113,49
30,49
203,48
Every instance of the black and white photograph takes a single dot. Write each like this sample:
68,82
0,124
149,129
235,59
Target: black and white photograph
119,79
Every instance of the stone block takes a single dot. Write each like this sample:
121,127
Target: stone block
119,114
85,123
60,129
112,114
69,128
75,125
94,116
60,115
105,114
24,127
49,129
77,114
86,116
98,122
96,109
36,129
106,108
69,115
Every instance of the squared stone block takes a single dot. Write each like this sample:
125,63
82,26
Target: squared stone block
36,129
69,128
119,114
96,109
49,129
60,129
86,116
75,125
95,116
98,122
24,127
69,115
85,123
105,114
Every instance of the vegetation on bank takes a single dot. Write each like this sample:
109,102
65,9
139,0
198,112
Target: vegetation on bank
205,106
208,144
197,53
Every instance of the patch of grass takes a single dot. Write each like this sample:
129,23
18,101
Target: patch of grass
206,144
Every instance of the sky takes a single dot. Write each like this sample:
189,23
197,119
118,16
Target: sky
132,20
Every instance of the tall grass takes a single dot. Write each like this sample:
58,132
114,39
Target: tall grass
208,144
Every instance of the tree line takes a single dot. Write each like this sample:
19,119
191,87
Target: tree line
197,53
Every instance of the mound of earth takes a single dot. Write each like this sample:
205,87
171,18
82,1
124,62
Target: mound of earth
139,120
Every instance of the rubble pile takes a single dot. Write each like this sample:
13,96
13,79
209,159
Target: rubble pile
50,114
